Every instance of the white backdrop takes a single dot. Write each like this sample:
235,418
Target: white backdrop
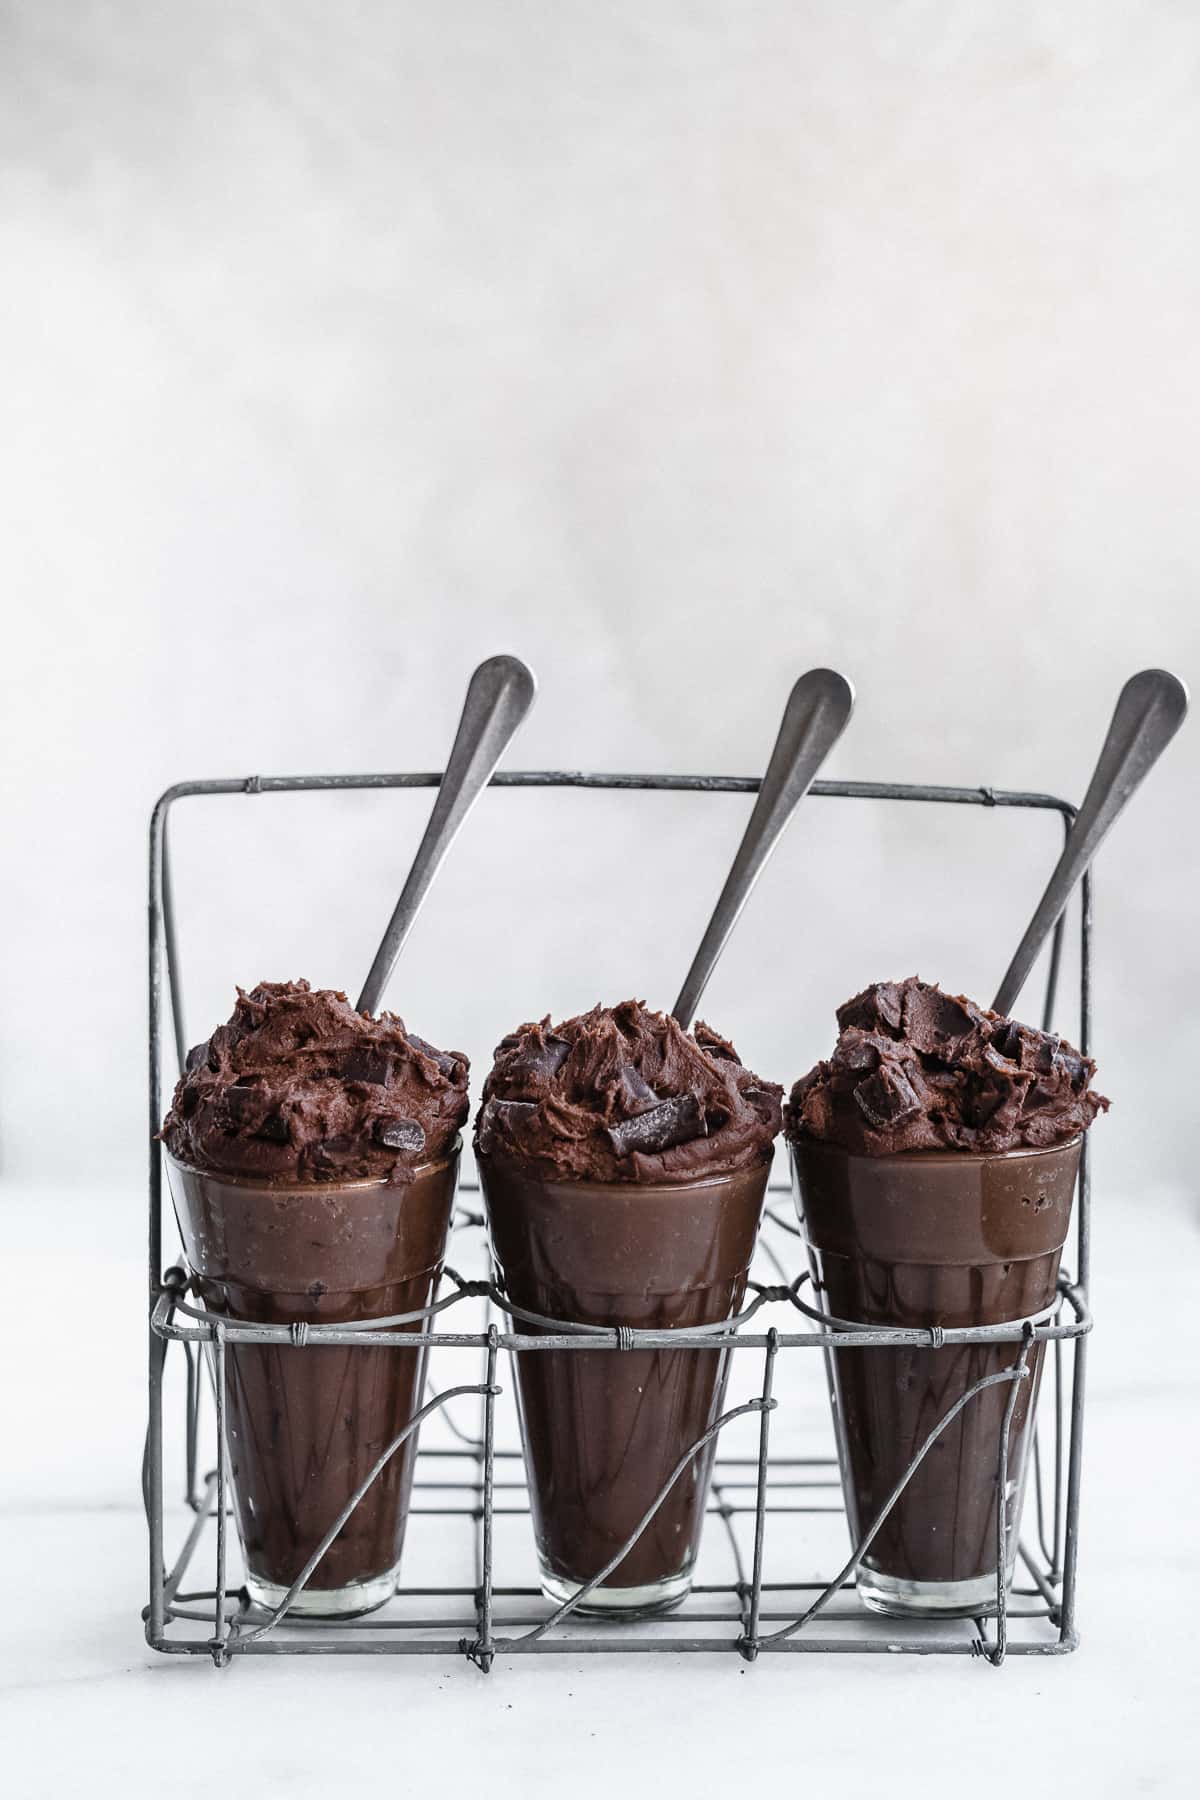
676,348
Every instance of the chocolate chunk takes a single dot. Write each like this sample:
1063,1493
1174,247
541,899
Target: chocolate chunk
195,1056
886,1097
366,1063
536,1063
274,1128
996,1059
881,1005
511,1111
856,1052
636,1095
674,1121
444,1063
935,1022
400,1134
243,1102
497,1115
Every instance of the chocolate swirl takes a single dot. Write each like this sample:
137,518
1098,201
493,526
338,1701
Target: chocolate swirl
917,1069
300,1087
624,1094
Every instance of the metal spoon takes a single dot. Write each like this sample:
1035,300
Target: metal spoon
1149,711
500,693
816,714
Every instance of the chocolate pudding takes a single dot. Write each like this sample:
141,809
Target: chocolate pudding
312,1159
934,1159
624,1164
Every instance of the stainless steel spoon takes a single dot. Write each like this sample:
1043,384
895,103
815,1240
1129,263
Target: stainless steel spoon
816,714
500,693
1149,711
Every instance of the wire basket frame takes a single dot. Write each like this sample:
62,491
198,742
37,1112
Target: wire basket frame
758,1611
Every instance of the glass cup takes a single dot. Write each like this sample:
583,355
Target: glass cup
305,1425
604,1429
940,1238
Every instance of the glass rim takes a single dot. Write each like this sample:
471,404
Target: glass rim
937,1156
295,1185
580,1183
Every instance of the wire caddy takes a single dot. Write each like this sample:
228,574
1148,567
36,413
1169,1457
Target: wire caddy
467,1474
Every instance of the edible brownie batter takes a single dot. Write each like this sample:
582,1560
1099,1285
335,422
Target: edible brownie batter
624,1163
625,1094
935,1156
917,1069
297,1086
312,1162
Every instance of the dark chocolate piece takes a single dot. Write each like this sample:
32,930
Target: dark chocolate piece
450,1063
366,1063
671,1122
886,1097
401,1134
541,1062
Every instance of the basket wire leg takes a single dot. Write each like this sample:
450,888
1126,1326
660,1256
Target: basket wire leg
157,1348
482,1651
749,1643
193,1424
154,1489
1074,1470
220,1650
995,1654
1059,1439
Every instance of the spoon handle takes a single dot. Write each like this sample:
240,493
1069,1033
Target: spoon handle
1149,711
816,714
500,693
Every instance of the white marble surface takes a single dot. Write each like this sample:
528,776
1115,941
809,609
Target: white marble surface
87,1707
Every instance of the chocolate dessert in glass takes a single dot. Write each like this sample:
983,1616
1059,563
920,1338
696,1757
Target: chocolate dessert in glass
934,1159
312,1154
623,1163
